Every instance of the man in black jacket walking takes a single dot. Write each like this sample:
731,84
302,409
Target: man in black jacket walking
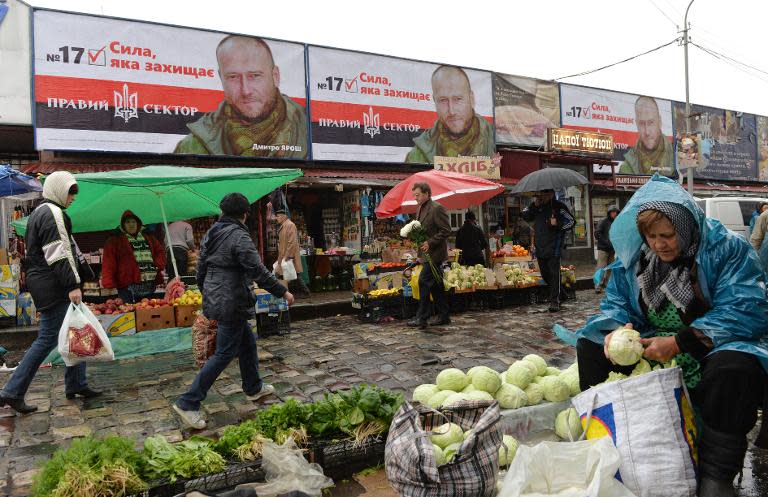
551,220
228,265
53,277
605,252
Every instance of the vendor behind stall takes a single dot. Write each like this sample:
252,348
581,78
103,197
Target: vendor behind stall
472,242
133,261
182,242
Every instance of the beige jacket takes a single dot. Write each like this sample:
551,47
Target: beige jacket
761,228
288,246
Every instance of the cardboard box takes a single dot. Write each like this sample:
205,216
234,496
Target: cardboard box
8,308
185,315
384,281
122,324
361,286
155,319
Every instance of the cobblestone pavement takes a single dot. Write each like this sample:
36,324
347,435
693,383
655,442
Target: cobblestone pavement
319,356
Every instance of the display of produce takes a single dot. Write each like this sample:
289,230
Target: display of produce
386,292
511,251
568,425
189,297
111,306
519,386
517,276
151,304
463,277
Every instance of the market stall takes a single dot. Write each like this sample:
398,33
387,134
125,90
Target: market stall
159,194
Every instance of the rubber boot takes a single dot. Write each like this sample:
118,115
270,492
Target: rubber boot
721,457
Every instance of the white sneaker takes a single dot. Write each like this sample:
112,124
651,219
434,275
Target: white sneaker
266,389
192,419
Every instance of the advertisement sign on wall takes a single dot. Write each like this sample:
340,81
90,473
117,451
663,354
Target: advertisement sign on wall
722,144
14,64
127,86
580,142
641,126
480,167
762,147
524,109
382,109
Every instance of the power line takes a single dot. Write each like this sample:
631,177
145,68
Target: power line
663,13
726,50
619,62
677,11
733,63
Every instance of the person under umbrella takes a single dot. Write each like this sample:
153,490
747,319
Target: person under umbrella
551,220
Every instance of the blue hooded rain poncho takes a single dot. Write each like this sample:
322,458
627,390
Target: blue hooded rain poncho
729,273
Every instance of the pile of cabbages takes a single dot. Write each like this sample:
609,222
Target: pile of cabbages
447,438
526,383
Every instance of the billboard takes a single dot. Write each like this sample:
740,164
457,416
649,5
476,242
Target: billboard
126,86
482,168
762,148
382,109
722,144
524,108
15,51
641,126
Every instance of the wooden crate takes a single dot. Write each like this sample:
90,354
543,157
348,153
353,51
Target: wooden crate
155,319
185,315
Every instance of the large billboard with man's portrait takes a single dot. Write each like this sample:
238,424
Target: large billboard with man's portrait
382,109
127,86
721,144
641,126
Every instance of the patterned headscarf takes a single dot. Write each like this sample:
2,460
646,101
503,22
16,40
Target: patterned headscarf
662,282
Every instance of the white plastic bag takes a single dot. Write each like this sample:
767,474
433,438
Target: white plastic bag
649,418
565,469
82,338
289,270
286,471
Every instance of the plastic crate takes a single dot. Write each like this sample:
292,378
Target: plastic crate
410,306
493,299
271,325
342,459
458,302
519,296
374,310
234,474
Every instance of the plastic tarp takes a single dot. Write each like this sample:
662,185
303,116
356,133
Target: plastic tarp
13,182
183,192
142,344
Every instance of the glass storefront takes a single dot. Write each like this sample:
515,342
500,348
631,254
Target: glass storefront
577,200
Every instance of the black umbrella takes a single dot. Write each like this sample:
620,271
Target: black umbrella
551,178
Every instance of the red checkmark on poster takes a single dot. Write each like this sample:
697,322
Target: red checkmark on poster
350,83
92,56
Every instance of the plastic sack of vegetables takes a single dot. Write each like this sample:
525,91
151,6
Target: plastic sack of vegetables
203,339
650,420
571,469
82,338
415,468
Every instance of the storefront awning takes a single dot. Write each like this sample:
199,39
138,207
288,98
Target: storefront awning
74,167
351,177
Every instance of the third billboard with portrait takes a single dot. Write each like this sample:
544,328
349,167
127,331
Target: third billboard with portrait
641,126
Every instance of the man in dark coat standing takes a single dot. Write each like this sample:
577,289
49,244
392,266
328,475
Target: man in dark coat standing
605,252
228,265
472,242
434,219
551,220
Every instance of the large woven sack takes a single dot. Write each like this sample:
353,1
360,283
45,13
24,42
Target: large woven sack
409,457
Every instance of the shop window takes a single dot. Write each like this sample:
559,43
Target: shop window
577,200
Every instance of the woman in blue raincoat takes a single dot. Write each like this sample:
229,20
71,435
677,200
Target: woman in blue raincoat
696,292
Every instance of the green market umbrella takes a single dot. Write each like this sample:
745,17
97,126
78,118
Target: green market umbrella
159,194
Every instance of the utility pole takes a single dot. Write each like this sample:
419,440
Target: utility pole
686,40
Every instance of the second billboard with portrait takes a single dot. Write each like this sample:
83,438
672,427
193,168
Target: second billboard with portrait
375,108
641,126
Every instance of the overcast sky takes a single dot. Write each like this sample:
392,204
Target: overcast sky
544,38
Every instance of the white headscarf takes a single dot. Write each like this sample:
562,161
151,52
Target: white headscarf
56,186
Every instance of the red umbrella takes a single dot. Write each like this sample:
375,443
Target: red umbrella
452,190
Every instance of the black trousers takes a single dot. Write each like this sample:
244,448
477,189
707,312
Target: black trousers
550,271
181,261
434,286
727,397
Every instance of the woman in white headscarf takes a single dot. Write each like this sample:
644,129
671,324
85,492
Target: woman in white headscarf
53,277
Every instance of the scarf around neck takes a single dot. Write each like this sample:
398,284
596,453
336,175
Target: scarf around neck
242,133
662,282
450,146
